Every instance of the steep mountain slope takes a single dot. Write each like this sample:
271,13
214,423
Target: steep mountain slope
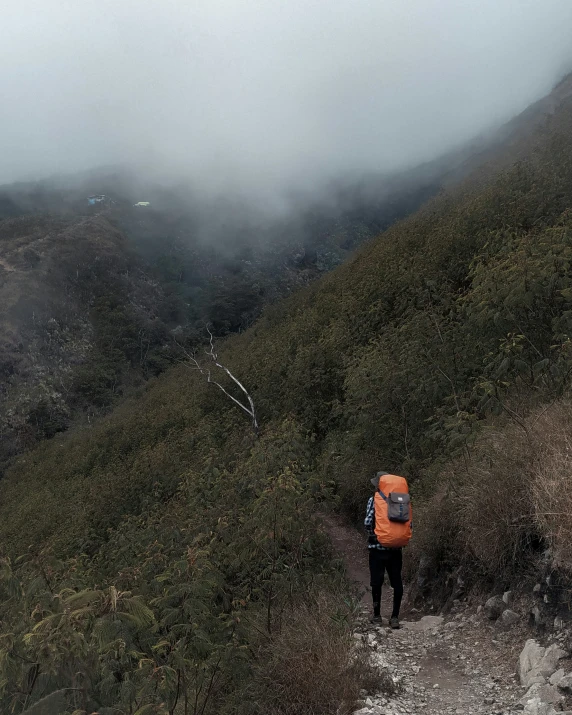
168,547
95,299
81,321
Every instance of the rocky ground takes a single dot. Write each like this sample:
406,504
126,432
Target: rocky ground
463,664
479,659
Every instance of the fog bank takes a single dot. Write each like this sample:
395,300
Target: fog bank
260,96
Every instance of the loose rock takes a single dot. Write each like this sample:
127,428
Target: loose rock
537,707
565,683
425,624
545,693
552,655
536,664
494,607
529,663
556,677
509,618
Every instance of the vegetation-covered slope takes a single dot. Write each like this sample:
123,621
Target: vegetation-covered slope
81,322
94,298
164,552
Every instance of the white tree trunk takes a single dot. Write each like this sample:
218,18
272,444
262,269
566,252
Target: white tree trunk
248,408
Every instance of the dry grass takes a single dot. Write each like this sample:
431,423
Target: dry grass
512,497
552,483
493,500
433,549
313,665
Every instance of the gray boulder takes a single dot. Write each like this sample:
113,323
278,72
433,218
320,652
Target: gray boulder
565,684
545,693
494,607
529,663
552,655
556,677
537,707
537,664
509,618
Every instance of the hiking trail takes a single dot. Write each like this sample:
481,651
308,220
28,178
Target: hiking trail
462,663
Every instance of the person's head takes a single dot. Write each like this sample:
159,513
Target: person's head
375,480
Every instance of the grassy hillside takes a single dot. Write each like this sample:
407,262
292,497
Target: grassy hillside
159,560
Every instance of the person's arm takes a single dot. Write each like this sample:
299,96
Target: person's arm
369,522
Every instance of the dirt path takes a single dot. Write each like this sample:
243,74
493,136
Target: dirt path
348,544
461,664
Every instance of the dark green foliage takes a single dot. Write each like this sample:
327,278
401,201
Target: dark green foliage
171,601
396,356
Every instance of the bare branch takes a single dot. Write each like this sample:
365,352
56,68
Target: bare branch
236,381
250,410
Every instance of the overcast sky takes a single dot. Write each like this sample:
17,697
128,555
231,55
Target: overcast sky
265,94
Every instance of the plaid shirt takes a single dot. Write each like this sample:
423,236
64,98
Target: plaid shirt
369,523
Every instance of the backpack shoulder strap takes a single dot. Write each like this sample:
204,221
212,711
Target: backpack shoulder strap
382,495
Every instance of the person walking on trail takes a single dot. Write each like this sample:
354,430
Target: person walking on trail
388,524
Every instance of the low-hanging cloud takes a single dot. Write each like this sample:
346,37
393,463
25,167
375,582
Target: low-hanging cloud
266,95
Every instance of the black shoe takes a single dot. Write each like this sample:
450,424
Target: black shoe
394,622
376,618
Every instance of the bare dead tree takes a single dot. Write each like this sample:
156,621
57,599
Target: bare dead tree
245,405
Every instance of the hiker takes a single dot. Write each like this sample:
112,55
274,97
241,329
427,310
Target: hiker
388,524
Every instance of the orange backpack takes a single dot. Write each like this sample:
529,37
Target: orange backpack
392,512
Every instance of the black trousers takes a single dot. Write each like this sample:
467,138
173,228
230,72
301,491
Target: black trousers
380,562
